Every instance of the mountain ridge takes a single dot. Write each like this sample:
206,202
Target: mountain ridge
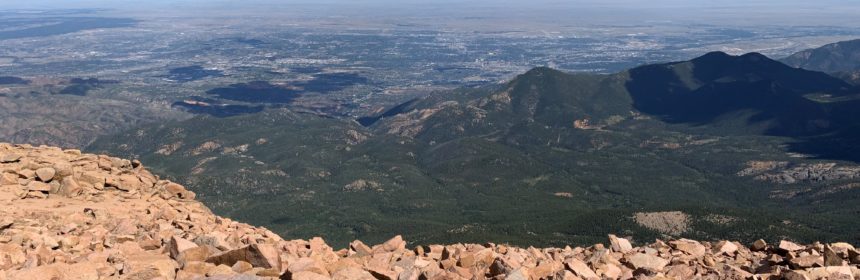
567,149
831,58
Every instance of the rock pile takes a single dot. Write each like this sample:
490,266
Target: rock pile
68,215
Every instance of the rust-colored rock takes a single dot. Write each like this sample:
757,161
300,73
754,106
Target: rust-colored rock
307,275
759,245
352,273
8,178
806,261
177,245
258,255
38,186
579,268
619,244
646,261
789,246
691,247
307,264
45,174
394,244
726,248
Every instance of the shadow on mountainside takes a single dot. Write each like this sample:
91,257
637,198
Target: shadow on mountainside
750,94
839,143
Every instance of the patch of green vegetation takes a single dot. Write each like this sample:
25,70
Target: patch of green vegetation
505,164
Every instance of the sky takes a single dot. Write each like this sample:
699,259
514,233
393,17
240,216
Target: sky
728,12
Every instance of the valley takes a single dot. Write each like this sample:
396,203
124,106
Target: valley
532,160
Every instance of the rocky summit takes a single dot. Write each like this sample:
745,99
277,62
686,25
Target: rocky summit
69,215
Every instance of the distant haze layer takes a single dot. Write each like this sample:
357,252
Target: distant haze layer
506,13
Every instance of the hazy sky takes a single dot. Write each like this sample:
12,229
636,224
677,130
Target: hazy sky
729,12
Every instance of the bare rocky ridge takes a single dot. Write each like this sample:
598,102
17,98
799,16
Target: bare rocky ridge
68,215
35,113
783,172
